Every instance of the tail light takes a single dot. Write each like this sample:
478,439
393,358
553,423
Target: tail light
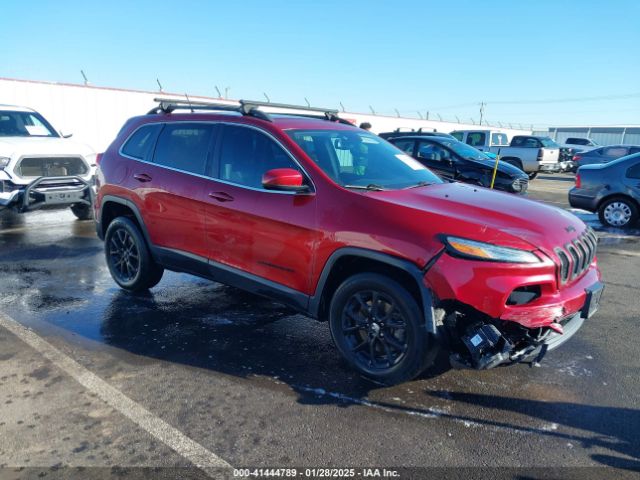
540,155
99,158
577,157
578,181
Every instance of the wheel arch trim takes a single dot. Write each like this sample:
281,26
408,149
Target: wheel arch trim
131,206
402,264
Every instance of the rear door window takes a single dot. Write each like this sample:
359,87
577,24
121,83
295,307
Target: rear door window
406,146
140,144
185,146
499,139
433,151
458,135
476,139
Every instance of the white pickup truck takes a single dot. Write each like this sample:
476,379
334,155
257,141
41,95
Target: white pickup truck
529,153
40,168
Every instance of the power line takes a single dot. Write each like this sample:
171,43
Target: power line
566,100
542,101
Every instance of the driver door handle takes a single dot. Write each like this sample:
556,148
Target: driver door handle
221,196
142,177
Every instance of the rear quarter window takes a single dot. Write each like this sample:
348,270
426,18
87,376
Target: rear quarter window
634,171
615,152
458,136
140,144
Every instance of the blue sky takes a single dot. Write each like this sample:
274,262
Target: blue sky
521,57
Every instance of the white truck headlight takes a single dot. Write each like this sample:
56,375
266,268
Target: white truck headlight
4,161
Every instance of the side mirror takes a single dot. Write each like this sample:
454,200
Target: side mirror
285,179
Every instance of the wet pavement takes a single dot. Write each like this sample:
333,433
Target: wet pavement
258,385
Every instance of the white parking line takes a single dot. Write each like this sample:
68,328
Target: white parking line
158,428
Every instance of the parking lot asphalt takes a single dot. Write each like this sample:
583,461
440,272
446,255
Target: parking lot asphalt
197,373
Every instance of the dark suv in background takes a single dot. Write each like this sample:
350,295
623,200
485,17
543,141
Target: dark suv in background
344,227
455,160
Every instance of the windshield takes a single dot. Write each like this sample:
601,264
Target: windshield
547,142
462,149
24,124
358,159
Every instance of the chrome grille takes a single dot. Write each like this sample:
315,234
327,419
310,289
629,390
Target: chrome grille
576,256
51,167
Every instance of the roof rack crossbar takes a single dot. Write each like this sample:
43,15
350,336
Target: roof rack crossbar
246,107
167,105
248,104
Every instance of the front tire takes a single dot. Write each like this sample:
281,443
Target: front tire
618,212
379,329
532,175
128,257
82,211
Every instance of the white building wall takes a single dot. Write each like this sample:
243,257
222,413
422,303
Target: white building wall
95,114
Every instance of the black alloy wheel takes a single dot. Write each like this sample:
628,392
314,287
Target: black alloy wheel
374,330
128,257
124,255
379,328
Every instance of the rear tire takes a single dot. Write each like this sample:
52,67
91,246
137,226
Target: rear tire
128,257
618,212
82,211
379,329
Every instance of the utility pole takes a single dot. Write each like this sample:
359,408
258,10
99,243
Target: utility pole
482,105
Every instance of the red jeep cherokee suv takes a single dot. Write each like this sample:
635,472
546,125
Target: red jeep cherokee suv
341,225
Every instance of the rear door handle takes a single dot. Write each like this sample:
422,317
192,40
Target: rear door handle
142,177
221,196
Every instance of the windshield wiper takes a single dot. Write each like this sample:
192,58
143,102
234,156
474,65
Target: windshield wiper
371,186
419,184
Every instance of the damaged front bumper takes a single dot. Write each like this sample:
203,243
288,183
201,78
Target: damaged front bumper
487,344
49,192
500,314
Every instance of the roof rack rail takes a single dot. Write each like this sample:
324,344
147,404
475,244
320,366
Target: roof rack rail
245,107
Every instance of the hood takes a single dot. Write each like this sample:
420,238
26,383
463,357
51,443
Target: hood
488,216
18,146
503,167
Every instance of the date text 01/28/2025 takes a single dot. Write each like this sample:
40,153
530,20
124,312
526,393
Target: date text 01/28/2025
316,473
